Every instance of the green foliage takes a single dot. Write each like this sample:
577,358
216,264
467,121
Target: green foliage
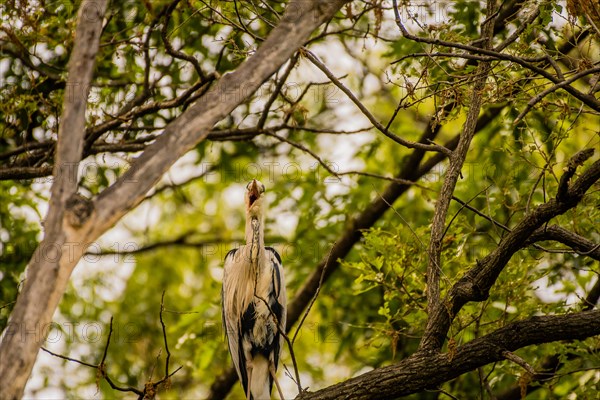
390,284
18,239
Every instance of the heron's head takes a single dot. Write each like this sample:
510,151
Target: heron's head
255,192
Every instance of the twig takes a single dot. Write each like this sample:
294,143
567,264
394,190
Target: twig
7,304
551,89
466,56
315,295
519,361
289,342
164,330
281,331
520,28
367,113
476,211
101,367
182,312
271,100
305,149
391,206
293,355
110,330
150,387
69,358
383,177
463,205
169,47
326,131
180,241
172,185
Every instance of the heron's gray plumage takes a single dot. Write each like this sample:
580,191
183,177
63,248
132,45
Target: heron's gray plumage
254,302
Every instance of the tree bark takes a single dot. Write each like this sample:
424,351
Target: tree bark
73,222
425,370
457,159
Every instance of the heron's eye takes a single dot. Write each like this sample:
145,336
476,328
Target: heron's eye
262,188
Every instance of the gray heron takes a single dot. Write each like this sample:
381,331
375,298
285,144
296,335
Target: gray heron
254,302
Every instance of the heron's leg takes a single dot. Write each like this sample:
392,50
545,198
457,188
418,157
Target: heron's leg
272,371
249,374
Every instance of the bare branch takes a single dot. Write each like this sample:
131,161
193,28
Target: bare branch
169,47
552,89
181,241
306,150
102,366
314,298
69,358
110,330
521,26
519,361
277,90
579,244
367,113
168,375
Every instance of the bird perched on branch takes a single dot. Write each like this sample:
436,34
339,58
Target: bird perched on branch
254,303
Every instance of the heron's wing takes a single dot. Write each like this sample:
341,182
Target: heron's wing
277,298
231,322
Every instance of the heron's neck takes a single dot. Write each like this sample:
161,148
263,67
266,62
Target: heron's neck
255,237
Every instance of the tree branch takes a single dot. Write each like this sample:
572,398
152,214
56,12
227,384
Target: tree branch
457,159
559,234
367,113
551,89
426,370
587,99
551,364
277,90
169,47
193,125
476,283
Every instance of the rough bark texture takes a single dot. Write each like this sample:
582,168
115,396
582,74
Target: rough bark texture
559,234
427,370
68,231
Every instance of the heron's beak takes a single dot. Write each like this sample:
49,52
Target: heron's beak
254,193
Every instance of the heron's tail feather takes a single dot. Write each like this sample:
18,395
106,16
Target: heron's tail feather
260,387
